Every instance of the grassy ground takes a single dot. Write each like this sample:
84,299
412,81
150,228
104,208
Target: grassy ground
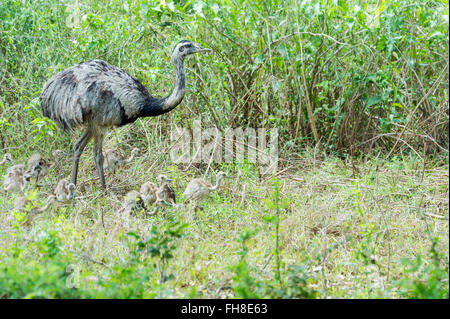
323,228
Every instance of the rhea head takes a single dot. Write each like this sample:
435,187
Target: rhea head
185,48
163,178
71,188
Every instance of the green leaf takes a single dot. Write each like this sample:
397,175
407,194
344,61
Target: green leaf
373,100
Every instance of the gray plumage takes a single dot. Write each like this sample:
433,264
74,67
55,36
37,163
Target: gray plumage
167,191
114,159
197,189
37,166
64,191
97,95
148,193
14,180
132,201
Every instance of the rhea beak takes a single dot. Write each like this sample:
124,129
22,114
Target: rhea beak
198,48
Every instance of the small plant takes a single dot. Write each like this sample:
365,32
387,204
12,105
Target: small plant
292,282
161,244
22,276
298,280
425,280
50,243
44,128
244,285
296,284
276,204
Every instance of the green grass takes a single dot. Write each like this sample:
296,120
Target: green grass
342,234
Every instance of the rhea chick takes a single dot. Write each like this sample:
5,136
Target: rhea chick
133,202
136,201
198,189
6,158
38,166
14,180
114,159
148,193
64,191
160,200
167,191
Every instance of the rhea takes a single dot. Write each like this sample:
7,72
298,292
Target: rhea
167,191
132,202
114,159
14,180
198,189
136,201
6,158
160,200
64,191
96,95
148,192
38,166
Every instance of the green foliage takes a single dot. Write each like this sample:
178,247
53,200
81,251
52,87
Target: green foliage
348,70
425,280
296,285
244,285
161,243
34,279
56,275
297,277
22,276
50,243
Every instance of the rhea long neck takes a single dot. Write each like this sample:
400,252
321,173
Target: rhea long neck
218,182
133,154
47,205
154,107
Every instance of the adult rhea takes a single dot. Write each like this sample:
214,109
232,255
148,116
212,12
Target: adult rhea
96,95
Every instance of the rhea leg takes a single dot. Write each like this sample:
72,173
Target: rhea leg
98,155
78,149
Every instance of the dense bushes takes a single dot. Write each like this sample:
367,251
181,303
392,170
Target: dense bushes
350,75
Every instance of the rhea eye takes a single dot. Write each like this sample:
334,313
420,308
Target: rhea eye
181,49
